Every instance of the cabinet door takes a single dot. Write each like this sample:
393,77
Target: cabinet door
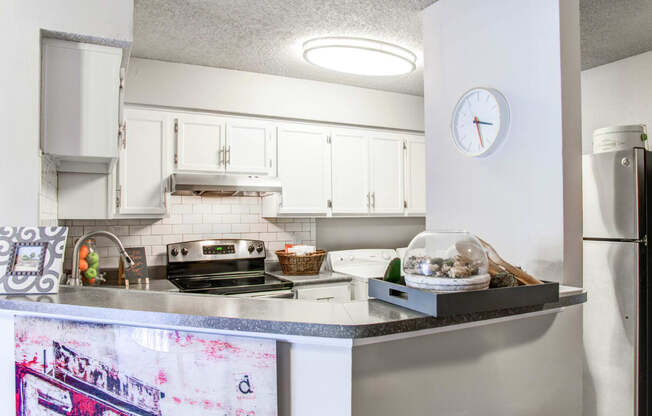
80,99
415,178
248,146
142,164
350,168
304,169
200,143
386,157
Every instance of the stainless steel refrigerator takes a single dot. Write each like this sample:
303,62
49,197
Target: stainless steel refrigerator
617,201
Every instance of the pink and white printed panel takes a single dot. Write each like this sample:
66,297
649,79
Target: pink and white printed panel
85,369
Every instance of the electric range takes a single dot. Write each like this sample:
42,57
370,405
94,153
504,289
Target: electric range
223,267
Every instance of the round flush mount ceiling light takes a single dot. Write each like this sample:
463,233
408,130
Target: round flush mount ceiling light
359,56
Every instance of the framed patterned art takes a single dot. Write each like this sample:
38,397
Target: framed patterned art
31,259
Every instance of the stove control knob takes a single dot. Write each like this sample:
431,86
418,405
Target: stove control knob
184,251
251,248
174,252
259,248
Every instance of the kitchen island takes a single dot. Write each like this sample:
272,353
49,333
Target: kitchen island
358,358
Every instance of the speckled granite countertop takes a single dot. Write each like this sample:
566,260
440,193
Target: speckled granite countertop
351,320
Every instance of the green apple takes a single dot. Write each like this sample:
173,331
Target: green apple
90,273
93,259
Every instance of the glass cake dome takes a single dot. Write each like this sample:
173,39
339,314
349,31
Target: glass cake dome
446,261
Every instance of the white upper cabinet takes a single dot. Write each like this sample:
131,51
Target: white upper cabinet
386,167
200,143
142,169
415,178
80,101
350,168
303,162
249,146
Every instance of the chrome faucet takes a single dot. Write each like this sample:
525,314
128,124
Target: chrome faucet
75,279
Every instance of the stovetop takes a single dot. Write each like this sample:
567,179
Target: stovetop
221,267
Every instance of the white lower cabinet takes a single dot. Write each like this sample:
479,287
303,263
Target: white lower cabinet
415,175
350,172
142,170
303,163
386,171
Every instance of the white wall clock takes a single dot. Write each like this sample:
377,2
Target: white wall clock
480,122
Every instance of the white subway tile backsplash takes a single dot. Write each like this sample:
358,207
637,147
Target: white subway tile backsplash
158,250
150,240
182,209
169,239
132,241
258,228
185,200
192,219
221,209
250,219
293,227
139,229
161,229
230,219
196,218
212,219
201,228
251,236
240,228
182,229
221,228
202,209
240,209
172,219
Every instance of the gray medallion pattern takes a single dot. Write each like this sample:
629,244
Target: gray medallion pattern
48,282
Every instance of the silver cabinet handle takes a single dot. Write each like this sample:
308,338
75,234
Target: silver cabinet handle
228,155
373,200
368,200
220,156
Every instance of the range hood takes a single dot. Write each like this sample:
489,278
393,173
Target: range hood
232,185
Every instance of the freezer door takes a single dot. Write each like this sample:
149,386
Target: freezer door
609,194
610,322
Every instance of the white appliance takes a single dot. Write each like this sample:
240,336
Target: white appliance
361,265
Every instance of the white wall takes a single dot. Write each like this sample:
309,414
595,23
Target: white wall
525,198
20,24
198,87
616,93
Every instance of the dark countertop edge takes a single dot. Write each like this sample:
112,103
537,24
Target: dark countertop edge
203,323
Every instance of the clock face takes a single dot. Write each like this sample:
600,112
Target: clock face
480,121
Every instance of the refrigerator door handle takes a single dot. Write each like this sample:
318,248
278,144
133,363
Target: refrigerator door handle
619,240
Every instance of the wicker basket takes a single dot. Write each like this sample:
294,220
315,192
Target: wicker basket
294,265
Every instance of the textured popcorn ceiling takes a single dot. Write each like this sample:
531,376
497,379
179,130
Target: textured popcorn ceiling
614,29
266,35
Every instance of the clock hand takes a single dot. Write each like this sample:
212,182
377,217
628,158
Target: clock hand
484,122
477,125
